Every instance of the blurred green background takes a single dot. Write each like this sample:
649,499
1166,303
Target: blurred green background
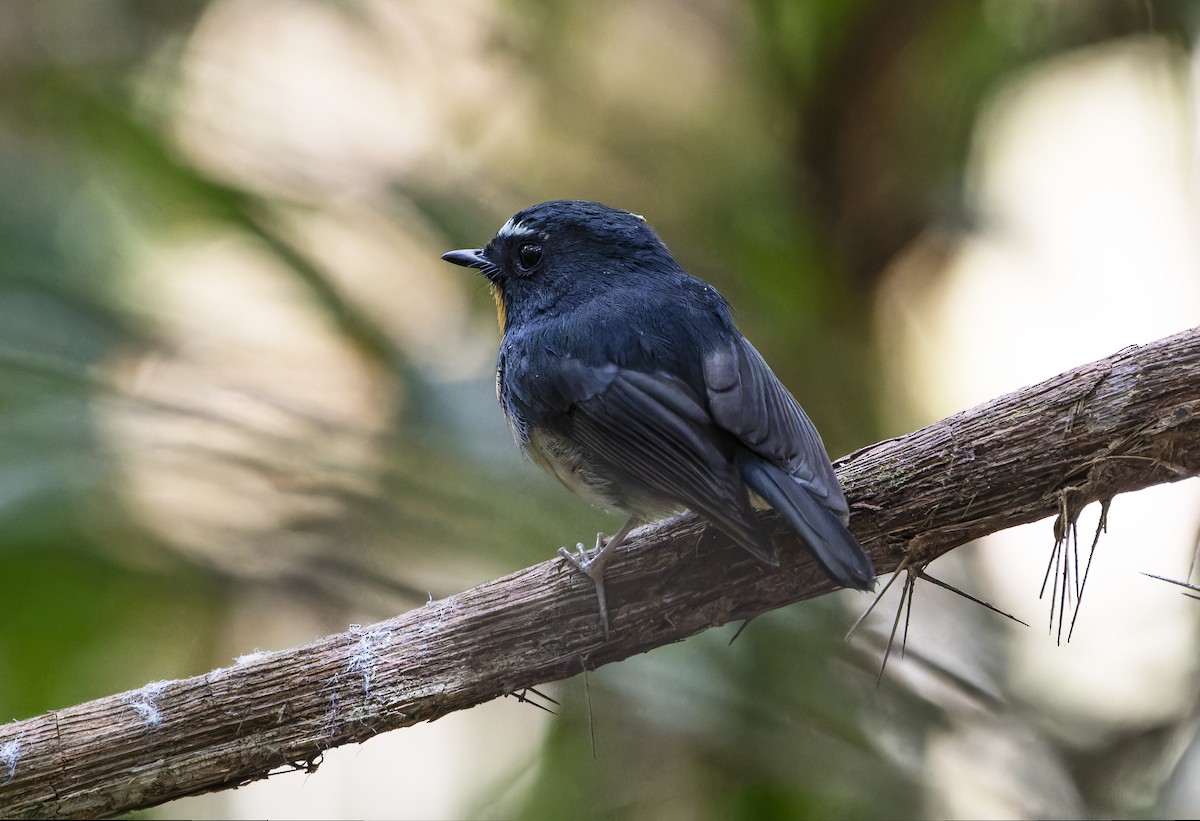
244,404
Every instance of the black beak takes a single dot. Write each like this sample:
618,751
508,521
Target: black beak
467,257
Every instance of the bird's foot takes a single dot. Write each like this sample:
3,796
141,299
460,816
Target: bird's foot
592,564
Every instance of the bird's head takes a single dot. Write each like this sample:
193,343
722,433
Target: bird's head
556,255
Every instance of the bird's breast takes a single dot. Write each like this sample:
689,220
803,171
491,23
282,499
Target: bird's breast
567,463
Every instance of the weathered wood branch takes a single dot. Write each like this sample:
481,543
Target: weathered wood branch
1119,424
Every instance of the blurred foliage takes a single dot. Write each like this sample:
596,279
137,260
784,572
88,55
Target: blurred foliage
786,151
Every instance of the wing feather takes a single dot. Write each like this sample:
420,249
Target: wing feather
783,459
653,429
747,399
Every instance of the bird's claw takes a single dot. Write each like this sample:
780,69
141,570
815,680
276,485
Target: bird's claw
592,564
589,563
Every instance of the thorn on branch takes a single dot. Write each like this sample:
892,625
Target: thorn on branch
1069,582
741,627
905,596
946,586
523,697
912,573
1174,581
1195,558
905,606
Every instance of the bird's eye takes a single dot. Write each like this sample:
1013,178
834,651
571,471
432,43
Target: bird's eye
528,256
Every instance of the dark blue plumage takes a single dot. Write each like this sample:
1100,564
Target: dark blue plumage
627,379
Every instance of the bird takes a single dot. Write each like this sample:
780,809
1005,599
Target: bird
627,380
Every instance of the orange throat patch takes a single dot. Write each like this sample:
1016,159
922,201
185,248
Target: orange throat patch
501,314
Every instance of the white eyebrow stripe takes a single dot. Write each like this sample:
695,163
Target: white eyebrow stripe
513,229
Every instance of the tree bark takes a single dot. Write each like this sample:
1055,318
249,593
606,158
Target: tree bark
1119,424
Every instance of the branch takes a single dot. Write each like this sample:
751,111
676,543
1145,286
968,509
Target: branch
1123,423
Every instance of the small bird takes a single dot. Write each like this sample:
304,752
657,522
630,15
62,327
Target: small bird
626,379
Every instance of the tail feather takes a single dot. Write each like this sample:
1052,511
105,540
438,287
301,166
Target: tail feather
835,548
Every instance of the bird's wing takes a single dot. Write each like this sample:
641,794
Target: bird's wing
784,460
651,428
748,400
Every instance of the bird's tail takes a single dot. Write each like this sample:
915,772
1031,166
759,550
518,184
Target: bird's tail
835,548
